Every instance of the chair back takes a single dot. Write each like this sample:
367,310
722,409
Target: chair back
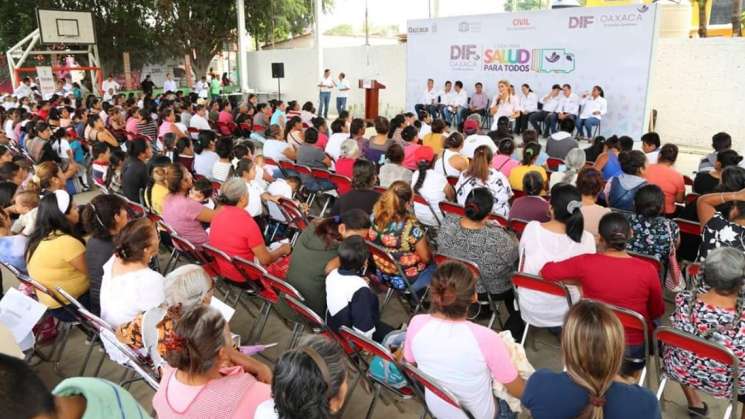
303,170
282,287
295,217
271,162
254,275
688,227
223,264
379,189
650,259
310,316
453,180
691,198
134,361
416,375
283,164
343,184
517,225
553,164
380,255
687,181
536,283
320,173
474,268
452,209
363,343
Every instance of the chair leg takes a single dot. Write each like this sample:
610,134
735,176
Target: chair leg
61,351
91,345
525,334
376,395
261,322
170,259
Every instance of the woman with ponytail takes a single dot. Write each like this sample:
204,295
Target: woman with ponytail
464,357
432,185
398,231
196,383
480,174
452,162
531,151
129,286
558,239
614,277
592,347
103,218
47,178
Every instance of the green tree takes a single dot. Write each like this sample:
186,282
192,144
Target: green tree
344,29
270,20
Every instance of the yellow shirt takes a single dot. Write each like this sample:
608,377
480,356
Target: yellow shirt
158,196
50,265
518,173
434,141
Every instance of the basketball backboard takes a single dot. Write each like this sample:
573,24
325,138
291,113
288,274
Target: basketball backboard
65,27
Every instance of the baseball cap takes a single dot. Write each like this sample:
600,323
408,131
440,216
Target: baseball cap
470,125
424,153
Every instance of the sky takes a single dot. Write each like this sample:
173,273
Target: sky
396,12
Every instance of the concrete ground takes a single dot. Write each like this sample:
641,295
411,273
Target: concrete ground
542,350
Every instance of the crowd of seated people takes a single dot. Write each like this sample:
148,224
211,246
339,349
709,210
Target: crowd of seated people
420,187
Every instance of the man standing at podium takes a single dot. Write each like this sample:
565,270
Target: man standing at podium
325,86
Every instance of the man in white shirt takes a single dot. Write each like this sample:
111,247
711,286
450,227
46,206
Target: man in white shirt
342,90
443,97
24,89
593,109
110,87
456,105
538,120
428,101
201,88
651,146
475,140
169,85
324,95
568,108
199,120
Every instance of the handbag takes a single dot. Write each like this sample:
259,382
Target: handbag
673,276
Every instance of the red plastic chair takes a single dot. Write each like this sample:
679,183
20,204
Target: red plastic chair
452,180
517,225
361,344
379,189
687,181
296,220
256,277
631,320
553,163
322,174
701,348
452,209
430,384
691,198
283,164
271,162
343,184
476,272
688,227
382,257
538,284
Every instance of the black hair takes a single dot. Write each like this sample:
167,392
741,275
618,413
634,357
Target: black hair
311,136
652,138
533,183
224,147
530,153
632,162
182,144
204,140
479,204
562,195
732,179
353,254
98,148
422,166
459,84
727,158
337,126
395,154
357,125
318,122
353,219
438,126
453,140
9,169
137,147
567,125
7,192
204,186
668,153
50,221
408,134
363,174
117,158
506,147
649,201
615,230
291,124
626,142
23,394
721,141
395,123
600,90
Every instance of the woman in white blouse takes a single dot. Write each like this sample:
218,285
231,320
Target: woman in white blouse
451,163
504,104
528,101
432,185
594,107
560,238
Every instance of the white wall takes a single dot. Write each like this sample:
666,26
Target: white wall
697,84
697,89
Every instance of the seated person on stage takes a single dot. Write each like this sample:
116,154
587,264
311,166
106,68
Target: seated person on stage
428,101
539,120
457,105
594,107
568,107
478,101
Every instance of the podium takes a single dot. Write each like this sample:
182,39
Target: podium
371,97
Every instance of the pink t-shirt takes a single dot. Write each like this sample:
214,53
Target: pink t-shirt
345,166
504,163
164,129
323,139
409,151
224,117
181,213
462,356
175,399
131,125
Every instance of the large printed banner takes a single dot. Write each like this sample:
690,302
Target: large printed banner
607,46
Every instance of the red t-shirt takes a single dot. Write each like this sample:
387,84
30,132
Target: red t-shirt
409,151
345,166
235,232
625,282
322,140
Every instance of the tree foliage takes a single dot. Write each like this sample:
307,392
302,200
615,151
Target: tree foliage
269,20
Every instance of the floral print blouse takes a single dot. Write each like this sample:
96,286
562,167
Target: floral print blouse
498,185
716,324
720,232
653,236
399,238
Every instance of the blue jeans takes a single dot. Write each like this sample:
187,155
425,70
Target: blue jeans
424,278
504,411
341,105
323,104
448,115
588,124
553,119
317,185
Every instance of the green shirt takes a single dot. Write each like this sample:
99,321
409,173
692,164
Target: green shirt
215,86
103,398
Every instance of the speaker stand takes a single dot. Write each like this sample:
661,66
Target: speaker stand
279,89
